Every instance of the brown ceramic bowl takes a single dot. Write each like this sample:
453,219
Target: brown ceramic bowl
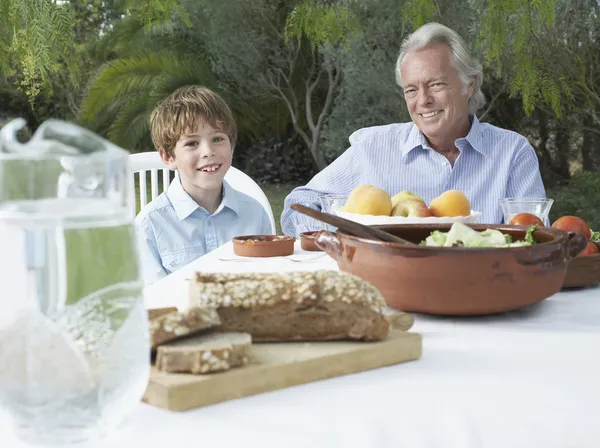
307,241
455,280
583,271
263,245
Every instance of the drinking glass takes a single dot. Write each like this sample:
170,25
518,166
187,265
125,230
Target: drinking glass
331,203
539,207
75,353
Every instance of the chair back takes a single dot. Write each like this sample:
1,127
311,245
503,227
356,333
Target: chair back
161,177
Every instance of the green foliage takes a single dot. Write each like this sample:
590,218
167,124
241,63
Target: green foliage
36,42
149,63
511,39
579,198
37,37
368,94
151,12
321,23
123,94
416,13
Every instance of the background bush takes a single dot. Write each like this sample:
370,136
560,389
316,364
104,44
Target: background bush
276,161
580,196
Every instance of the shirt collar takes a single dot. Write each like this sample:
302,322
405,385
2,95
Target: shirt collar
475,138
416,139
184,205
230,199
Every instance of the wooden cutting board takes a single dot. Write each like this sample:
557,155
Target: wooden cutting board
279,365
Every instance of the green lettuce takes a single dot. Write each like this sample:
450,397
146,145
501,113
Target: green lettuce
461,235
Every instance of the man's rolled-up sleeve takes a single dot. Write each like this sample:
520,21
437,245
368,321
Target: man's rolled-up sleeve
338,178
525,179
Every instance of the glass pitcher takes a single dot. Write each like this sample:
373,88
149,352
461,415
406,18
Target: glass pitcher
74,344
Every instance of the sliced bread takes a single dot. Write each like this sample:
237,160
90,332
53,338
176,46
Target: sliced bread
205,353
155,312
174,324
294,306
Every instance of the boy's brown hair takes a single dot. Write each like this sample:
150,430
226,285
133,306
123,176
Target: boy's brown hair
183,111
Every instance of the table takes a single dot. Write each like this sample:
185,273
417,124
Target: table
529,379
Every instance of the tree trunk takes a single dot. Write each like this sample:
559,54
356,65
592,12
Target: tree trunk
587,150
318,156
590,148
563,142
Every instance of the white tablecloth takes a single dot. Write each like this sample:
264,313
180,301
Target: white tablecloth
526,379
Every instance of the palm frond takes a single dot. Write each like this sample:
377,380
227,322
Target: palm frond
131,123
121,77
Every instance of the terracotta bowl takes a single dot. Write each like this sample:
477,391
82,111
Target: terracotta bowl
263,245
307,241
583,271
454,280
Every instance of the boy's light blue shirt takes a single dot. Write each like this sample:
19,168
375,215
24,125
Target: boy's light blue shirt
174,230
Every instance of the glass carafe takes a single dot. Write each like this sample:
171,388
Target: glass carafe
74,345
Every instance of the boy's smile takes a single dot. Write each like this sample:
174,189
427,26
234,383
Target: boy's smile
211,168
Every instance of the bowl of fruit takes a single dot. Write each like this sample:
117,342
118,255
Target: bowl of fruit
371,205
584,269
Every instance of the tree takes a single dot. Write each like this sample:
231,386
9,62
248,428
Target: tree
267,58
36,38
147,65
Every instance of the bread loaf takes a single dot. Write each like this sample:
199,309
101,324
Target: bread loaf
205,353
295,306
174,325
399,319
153,313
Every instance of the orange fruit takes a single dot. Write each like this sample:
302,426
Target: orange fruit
573,224
526,219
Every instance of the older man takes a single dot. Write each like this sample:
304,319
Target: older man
445,146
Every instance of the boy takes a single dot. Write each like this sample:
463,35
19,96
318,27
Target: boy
195,133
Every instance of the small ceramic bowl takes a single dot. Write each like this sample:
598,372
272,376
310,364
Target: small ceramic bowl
263,245
583,271
307,241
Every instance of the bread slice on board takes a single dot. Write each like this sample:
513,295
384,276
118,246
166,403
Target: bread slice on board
205,353
294,306
155,312
175,324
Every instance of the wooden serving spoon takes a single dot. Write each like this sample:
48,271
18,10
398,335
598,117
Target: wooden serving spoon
351,227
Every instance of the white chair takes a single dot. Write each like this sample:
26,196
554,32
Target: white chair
143,162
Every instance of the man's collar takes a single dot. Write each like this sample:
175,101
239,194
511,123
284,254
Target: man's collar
184,205
474,137
416,139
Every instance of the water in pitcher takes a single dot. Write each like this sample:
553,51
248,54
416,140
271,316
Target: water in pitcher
75,360
74,343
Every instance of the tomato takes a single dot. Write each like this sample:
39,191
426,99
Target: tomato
573,224
590,249
526,219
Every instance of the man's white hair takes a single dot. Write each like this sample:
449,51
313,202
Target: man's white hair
469,70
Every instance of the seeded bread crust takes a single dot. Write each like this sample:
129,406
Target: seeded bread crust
294,306
174,325
153,313
205,353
